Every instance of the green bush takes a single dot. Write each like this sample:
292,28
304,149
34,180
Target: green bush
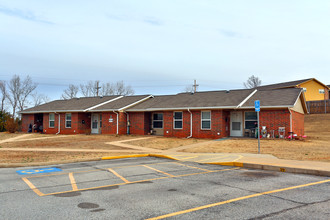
3,118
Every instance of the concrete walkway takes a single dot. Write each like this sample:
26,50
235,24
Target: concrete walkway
255,161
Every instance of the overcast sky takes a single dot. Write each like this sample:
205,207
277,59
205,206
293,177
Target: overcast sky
160,47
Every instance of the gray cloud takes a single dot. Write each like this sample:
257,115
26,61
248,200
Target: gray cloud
26,15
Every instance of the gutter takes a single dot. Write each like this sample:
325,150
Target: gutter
59,123
190,123
117,120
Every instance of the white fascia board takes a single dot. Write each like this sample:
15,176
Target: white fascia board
104,110
246,99
181,108
262,107
135,103
52,111
103,103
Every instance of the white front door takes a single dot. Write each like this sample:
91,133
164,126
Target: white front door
236,124
95,123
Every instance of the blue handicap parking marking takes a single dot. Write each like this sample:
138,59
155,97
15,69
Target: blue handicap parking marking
37,171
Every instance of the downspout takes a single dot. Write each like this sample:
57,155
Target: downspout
128,124
291,123
117,120
190,124
59,123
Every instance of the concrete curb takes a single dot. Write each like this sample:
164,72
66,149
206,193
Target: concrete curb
276,168
238,164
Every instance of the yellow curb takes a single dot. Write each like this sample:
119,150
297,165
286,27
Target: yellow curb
162,156
232,164
124,156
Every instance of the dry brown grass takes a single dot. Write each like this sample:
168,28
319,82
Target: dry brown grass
24,157
71,142
6,135
164,143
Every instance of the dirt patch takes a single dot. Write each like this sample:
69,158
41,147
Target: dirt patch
72,142
56,157
163,143
7,135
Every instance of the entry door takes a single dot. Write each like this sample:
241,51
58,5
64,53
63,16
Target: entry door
157,123
236,124
95,123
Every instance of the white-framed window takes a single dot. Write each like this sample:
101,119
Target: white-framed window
321,91
178,120
304,89
206,120
68,120
251,119
157,121
51,120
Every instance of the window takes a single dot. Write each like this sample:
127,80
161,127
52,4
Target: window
321,91
157,121
304,89
68,120
51,120
206,120
177,120
250,120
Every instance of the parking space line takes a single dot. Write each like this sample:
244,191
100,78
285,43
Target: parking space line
193,167
73,182
32,187
236,199
212,158
116,174
159,171
128,182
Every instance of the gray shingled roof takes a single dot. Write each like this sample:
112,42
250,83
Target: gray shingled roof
221,99
120,103
284,84
274,98
75,104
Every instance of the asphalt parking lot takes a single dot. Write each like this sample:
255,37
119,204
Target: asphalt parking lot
155,188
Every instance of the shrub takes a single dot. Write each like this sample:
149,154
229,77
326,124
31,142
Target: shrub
3,118
11,125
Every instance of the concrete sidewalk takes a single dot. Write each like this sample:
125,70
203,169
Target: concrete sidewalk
257,161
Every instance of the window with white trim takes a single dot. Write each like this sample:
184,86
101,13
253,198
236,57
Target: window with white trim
68,120
178,120
321,91
206,120
51,120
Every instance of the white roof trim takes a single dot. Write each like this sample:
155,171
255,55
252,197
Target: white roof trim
135,103
181,108
103,103
50,111
246,99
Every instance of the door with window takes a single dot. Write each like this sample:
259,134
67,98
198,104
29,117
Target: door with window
95,123
236,121
157,123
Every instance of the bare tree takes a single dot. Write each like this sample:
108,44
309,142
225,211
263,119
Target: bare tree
39,99
89,89
3,94
107,89
252,82
121,89
189,89
70,92
19,91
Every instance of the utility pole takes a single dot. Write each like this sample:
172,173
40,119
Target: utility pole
195,85
97,88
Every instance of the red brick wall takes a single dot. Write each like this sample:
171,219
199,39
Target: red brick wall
27,119
140,122
109,127
298,120
273,119
77,126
